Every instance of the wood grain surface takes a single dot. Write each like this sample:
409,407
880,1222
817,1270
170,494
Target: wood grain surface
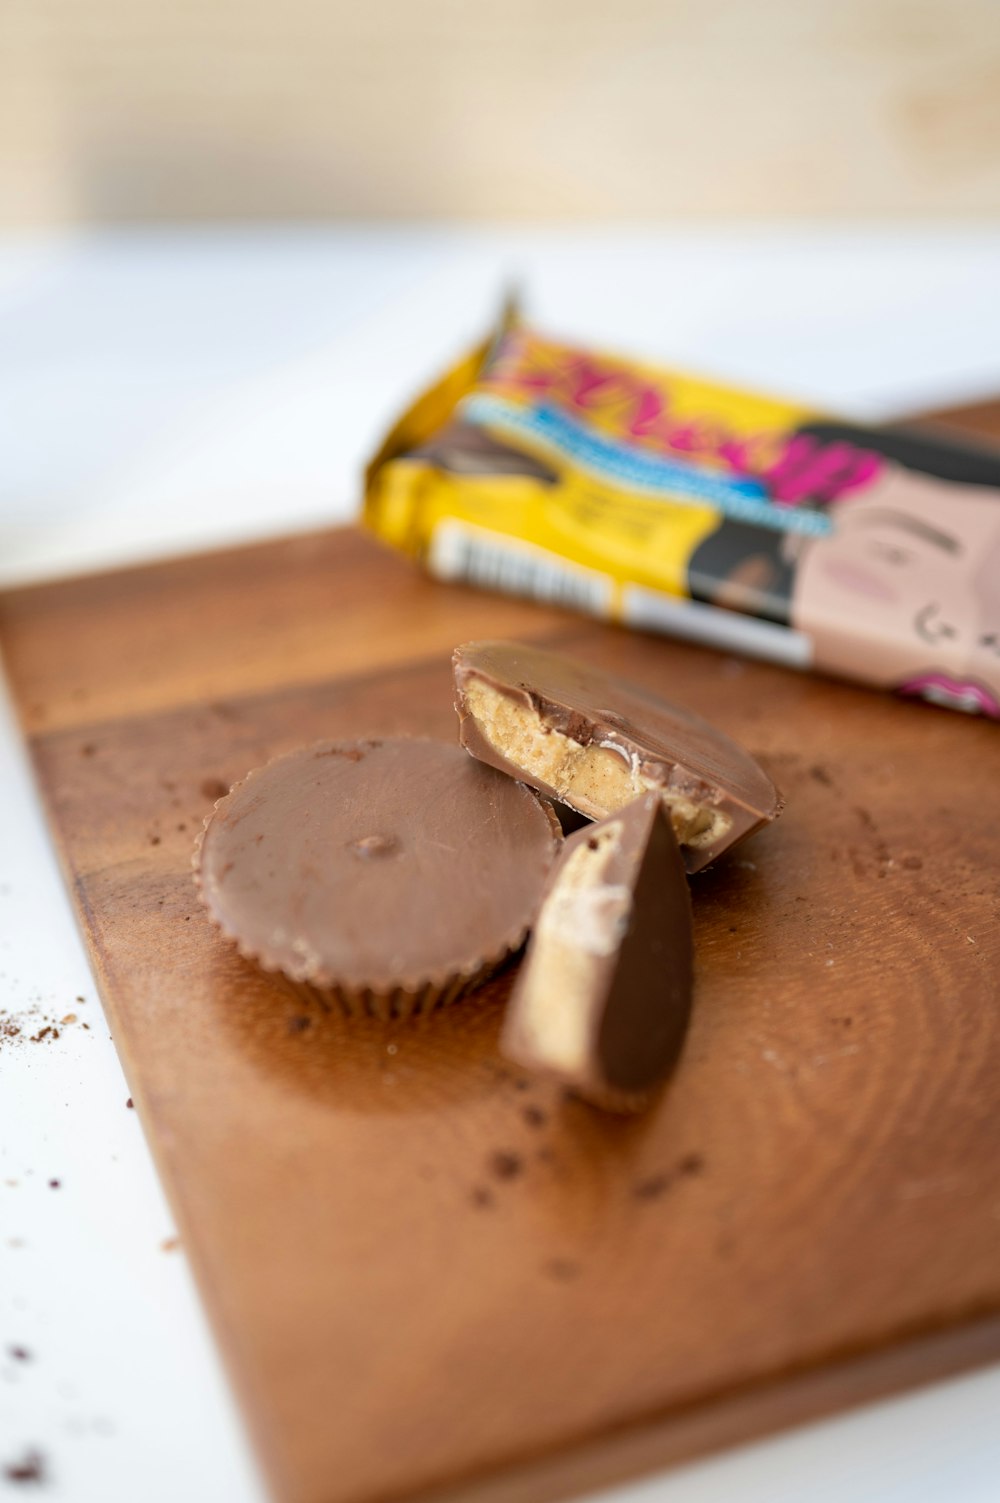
427,1272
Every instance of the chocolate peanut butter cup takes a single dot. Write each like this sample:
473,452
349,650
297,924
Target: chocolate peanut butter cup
596,743
389,876
603,996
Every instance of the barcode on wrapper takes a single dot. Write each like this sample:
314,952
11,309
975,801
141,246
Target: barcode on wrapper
495,562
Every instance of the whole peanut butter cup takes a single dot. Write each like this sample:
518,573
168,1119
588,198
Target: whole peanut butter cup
388,876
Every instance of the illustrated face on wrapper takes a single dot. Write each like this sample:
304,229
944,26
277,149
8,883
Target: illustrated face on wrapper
905,591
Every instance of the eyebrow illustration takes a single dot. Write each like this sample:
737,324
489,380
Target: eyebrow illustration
929,454
903,520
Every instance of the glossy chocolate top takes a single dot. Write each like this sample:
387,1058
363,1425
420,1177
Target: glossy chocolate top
376,863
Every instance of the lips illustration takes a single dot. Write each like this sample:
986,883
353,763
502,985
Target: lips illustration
955,694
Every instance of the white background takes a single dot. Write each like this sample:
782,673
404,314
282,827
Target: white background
165,392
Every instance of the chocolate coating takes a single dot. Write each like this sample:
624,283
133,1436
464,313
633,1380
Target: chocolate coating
604,994
716,791
395,866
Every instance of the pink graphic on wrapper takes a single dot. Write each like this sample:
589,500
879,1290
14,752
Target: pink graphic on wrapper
955,694
813,470
795,469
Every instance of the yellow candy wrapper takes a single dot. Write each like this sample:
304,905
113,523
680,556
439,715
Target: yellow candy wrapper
672,503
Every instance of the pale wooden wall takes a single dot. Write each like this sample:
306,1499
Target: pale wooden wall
152,109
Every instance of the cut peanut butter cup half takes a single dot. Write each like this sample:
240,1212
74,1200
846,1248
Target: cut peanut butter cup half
586,738
603,996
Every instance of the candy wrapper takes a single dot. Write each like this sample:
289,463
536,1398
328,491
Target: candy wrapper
671,503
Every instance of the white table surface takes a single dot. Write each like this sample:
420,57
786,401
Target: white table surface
163,392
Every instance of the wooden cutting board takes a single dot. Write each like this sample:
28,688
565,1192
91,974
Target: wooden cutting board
427,1272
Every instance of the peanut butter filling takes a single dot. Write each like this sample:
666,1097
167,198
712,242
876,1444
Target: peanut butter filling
583,916
597,779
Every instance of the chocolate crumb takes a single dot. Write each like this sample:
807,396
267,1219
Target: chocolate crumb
87,749
154,839
79,999
213,788
31,1469
562,1269
505,1165
534,1116
651,1188
130,1104
19,1353
482,1197
657,1184
182,827
55,1184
